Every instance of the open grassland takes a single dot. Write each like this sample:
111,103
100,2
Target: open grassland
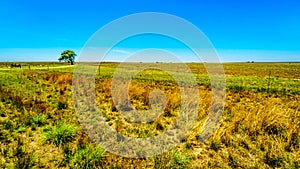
260,126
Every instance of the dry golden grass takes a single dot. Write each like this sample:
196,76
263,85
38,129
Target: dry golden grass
257,129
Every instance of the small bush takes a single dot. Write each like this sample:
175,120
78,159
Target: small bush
21,129
27,160
233,161
180,160
214,145
172,159
107,118
274,159
88,156
62,105
7,124
39,119
60,134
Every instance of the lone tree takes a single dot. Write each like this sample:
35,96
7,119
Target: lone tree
67,56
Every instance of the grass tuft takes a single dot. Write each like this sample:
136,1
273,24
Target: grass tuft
39,119
87,156
60,134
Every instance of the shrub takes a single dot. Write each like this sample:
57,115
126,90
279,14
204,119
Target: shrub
274,159
39,119
60,134
172,159
21,129
215,145
180,160
88,156
62,105
7,124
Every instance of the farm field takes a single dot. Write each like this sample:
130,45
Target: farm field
259,128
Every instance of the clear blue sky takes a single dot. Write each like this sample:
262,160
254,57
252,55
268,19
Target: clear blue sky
260,30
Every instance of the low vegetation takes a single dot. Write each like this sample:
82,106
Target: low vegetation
260,126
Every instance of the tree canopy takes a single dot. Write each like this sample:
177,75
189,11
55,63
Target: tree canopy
67,56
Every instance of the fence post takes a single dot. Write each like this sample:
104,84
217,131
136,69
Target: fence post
99,69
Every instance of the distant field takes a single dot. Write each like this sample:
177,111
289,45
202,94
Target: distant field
260,126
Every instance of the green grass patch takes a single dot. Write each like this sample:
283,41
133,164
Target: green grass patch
60,133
